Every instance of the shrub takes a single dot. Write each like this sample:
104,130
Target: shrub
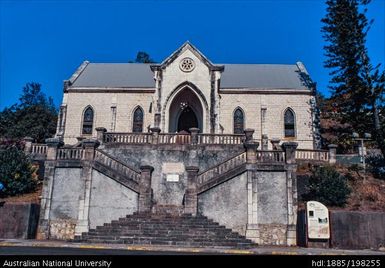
16,172
327,186
376,165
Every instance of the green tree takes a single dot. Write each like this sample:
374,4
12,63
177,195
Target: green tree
357,87
143,57
327,186
35,115
16,171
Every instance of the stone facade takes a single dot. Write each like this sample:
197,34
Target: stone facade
212,104
164,139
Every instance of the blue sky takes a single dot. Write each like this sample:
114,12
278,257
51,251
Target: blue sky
45,41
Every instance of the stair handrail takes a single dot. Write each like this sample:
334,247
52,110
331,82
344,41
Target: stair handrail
221,168
117,165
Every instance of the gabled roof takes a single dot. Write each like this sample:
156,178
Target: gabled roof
186,46
262,76
234,76
135,75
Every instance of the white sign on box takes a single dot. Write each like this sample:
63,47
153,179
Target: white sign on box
317,220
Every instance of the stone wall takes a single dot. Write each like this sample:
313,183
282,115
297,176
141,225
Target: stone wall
275,105
19,220
227,203
272,197
101,103
68,187
357,230
109,200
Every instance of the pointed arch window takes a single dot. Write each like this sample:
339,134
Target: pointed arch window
289,119
88,121
238,121
138,120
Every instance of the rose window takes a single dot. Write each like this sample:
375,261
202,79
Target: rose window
187,65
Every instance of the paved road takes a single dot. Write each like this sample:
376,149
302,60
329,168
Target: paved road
51,247
21,250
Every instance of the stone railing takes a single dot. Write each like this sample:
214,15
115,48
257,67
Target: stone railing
217,170
221,138
168,138
312,155
69,153
117,165
38,148
131,138
270,156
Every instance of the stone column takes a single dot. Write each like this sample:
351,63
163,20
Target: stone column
265,142
49,173
332,153
291,185
251,151
82,224
191,196
289,148
89,146
275,144
145,193
194,135
100,134
155,135
157,118
248,134
28,145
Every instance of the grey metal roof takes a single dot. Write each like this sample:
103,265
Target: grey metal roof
116,75
269,76
256,76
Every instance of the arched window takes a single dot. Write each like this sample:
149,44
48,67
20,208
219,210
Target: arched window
238,121
88,120
289,123
138,120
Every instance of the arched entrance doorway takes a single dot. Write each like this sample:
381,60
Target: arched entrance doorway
185,112
187,119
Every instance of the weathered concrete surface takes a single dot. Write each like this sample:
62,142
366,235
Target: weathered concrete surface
67,189
171,192
19,220
357,230
272,197
109,200
227,203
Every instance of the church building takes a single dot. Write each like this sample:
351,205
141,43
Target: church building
185,152
188,91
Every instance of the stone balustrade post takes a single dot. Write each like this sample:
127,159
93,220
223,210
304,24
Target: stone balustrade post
251,151
275,144
265,142
52,146
248,134
332,153
145,194
291,188
289,148
100,134
191,196
28,145
194,135
89,146
155,135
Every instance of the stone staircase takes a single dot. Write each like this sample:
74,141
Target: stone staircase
166,229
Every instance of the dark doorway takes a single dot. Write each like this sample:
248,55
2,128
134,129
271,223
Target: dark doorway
187,119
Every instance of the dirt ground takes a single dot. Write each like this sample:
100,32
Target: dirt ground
25,198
